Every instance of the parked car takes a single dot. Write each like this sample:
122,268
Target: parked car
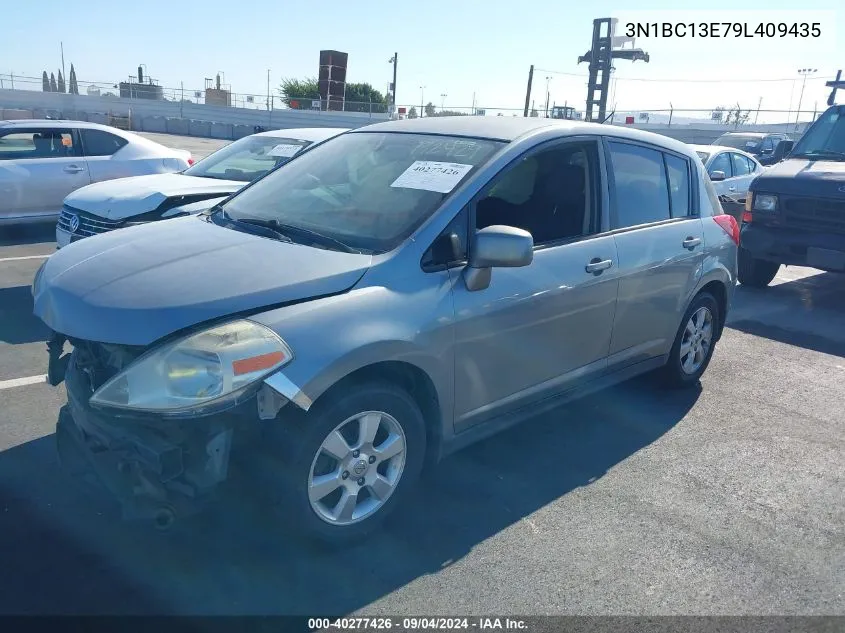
385,298
795,210
42,161
761,145
126,202
731,172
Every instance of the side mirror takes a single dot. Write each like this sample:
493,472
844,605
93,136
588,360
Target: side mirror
782,150
497,247
717,175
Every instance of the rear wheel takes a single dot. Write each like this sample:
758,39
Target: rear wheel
757,273
694,342
356,457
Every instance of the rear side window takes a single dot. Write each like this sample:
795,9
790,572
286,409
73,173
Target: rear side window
37,143
678,170
740,165
100,143
642,190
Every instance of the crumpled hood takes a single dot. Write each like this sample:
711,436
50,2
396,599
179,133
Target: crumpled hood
126,197
138,284
803,177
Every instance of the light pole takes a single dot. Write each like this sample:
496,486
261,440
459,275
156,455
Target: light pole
803,72
395,61
422,100
443,96
548,79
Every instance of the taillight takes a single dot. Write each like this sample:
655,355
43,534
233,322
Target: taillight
746,217
730,225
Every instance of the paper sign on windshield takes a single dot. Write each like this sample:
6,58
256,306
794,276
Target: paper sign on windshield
284,150
432,176
750,143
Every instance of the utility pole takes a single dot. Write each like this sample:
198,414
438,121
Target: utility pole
548,79
268,89
181,97
473,103
759,103
803,72
528,90
64,74
443,96
422,101
395,61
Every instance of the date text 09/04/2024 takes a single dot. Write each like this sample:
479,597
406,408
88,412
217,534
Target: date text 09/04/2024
723,29
415,624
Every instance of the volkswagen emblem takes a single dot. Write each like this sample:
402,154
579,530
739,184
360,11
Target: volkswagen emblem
73,223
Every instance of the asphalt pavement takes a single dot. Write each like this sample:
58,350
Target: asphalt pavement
728,498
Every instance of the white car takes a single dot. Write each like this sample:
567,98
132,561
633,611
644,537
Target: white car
111,205
42,161
731,170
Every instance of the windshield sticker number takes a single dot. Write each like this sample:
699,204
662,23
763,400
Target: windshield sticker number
432,176
284,150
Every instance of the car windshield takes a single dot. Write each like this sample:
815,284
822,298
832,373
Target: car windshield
740,141
368,190
248,158
825,138
703,156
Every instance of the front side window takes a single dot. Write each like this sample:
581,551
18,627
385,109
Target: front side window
642,191
825,138
248,159
19,144
100,143
722,163
367,190
546,194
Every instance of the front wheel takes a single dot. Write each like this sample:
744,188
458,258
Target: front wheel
757,273
357,456
694,342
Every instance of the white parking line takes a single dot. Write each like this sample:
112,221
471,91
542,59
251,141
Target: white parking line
16,259
21,382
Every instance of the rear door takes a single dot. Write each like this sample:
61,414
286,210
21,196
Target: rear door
38,168
743,174
100,148
660,243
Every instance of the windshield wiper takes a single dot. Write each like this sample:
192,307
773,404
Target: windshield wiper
267,229
826,153
286,229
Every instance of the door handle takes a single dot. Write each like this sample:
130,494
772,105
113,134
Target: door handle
731,188
597,265
691,242
74,169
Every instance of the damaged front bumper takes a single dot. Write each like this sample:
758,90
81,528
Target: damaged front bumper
157,469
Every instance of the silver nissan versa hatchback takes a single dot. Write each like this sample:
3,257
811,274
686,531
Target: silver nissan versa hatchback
383,299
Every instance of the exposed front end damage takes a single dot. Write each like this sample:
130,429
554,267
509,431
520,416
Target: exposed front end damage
157,468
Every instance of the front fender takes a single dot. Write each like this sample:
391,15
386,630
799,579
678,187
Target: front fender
336,336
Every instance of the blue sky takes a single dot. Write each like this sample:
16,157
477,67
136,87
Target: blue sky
455,48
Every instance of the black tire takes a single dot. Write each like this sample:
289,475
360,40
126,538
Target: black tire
673,373
305,436
757,273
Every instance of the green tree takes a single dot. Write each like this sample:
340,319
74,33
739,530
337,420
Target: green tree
61,82
450,113
45,82
299,91
412,113
364,98
74,86
430,109
53,86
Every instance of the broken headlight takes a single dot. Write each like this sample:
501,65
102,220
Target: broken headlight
200,369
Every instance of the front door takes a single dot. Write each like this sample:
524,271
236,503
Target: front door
38,168
660,241
535,331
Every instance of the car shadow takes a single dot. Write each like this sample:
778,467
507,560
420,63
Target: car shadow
240,558
35,233
806,312
17,322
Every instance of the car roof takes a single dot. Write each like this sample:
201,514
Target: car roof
313,134
48,123
512,128
752,134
